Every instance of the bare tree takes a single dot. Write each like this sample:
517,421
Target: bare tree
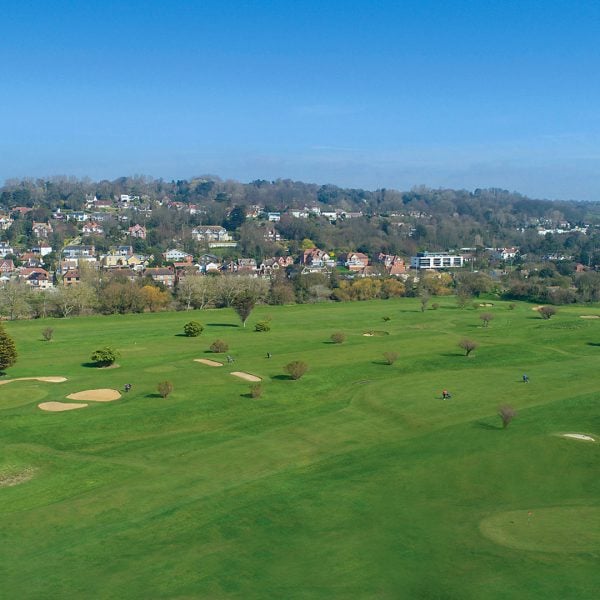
486,318
547,311
390,357
468,345
507,414
14,300
164,388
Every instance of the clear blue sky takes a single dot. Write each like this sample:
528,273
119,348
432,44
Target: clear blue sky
371,94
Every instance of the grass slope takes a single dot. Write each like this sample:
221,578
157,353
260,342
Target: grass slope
356,481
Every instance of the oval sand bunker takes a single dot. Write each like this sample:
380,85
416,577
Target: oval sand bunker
246,376
210,363
45,379
60,406
579,436
101,395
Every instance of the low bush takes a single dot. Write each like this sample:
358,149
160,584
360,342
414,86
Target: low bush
256,390
296,369
390,357
219,346
262,326
338,337
47,334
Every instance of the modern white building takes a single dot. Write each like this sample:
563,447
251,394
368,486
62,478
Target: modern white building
436,260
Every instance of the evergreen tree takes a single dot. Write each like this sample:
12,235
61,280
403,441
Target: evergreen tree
8,350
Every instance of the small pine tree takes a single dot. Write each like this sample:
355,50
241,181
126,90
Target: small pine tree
193,329
104,357
8,350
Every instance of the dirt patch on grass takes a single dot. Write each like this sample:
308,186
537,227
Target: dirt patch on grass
210,363
589,316
12,478
60,406
45,379
101,395
246,376
486,304
579,436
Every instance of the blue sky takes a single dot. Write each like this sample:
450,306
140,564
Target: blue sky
366,94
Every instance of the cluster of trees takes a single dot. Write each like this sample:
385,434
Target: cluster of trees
394,222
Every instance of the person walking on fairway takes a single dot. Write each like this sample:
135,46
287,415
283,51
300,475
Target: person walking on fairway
525,379
446,395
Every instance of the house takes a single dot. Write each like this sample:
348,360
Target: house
299,213
36,278
21,210
211,233
354,261
5,222
246,265
272,235
274,217
78,216
43,248
393,264
506,253
174,255
6,266
6,248
31,259
78,251
72,277
137,231
41,230
166,276
315,260
137,262
92,228
436,260
276,263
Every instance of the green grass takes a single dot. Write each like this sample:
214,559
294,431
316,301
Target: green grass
356,481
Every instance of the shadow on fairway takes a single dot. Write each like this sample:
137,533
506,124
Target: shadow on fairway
90,365
488,426
380,362
153,396
183,335
222,325
593,344
282,377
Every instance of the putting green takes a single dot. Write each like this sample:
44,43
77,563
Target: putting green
567,529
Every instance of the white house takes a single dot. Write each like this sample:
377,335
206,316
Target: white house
174,255
436,260
211,233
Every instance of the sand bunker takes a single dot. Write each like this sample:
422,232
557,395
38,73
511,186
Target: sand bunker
590,316
60,406
245,376
368,334
210,363
102,395
46,379
579,436
10,479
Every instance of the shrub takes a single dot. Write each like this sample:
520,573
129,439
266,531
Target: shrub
468,345
219,346
47,334
390,357
164,388
512,306
8,350
296,369
104,357
486,318
263,326
338,337
193,329
256,390
547,311
435,305
507,414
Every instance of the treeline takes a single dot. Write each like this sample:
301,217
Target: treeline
393,221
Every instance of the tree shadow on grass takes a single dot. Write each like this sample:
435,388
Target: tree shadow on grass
222,325
155,395
90,365
282,377
381,362
453,354
593,344
183,335
488,426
